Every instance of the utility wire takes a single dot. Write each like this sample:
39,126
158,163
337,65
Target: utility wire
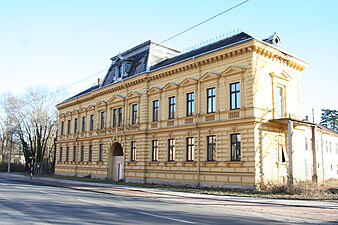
213,17
311,26
182,32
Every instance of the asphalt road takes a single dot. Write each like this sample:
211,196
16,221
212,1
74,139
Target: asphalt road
22,203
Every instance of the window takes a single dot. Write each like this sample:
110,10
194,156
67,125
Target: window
100,152
120,116
60,155
279,102
154,155
74,153
190,149
75,125
133,151
82,153
114,117
190,104
91,125
68,127
306,144
211,100
67,154
235,147
172,107
103,116
83,127
171,150
62,125
90,153
134,114
235,96
155,110
211,148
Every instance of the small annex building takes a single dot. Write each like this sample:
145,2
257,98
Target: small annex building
227,114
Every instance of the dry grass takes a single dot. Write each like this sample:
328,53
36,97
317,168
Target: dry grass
301,190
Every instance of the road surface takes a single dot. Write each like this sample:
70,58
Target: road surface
24,203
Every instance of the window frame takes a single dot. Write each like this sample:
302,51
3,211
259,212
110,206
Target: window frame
154,150
102,119
211,148
67,154
100,159
171,107
211,100
114,121
83,128
62,127
120,116
133,151
156,107
190,103
134,111
171,149
190,146
90,153
68,127
91,122
235,147
74,153
60,154
75,125
236,94
82,153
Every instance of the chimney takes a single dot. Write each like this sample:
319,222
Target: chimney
98,81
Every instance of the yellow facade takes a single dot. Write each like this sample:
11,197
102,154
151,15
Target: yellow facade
252,83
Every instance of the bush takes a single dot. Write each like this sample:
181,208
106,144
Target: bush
15,167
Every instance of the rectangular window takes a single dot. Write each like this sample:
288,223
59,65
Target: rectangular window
171,150
279,102
156,106
103,117
74,153
68,127
67,154
235,96
114,117
154,155
133,151
90,153
82,153
190,104
75,125
91,124
211,148
62,125
306,144
172,107
83,127
134,109
60,155
100,152
120,116
235,147
190,149
211,100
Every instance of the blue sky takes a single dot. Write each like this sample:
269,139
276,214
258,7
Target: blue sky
58,43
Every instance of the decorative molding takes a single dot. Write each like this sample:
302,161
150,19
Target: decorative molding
188,81
115,98
170,86
283,75
231,70
209,76
154,90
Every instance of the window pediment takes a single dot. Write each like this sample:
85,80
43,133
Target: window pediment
154,90
282,75
75,111
90,107
188,81
115,98
68,113
209,76
101,103
83,109
232,70
62,115
133,94
170,86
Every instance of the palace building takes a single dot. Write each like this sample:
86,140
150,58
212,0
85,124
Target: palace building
227,114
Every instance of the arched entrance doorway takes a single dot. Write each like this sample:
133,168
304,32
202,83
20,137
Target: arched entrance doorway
116,162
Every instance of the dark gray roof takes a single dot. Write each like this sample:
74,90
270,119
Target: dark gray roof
136,59
208,48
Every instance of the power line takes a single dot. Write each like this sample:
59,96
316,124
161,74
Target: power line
182,32
213,17
311,26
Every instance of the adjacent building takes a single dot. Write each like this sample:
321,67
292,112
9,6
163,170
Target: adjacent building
227,114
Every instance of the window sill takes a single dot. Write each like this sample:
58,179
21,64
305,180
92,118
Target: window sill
190,163
153,163
170,163
234,163
210,163
131,163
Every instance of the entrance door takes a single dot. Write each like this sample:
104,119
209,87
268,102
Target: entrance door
117,163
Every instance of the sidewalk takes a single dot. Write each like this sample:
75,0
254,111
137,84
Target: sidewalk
165,194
